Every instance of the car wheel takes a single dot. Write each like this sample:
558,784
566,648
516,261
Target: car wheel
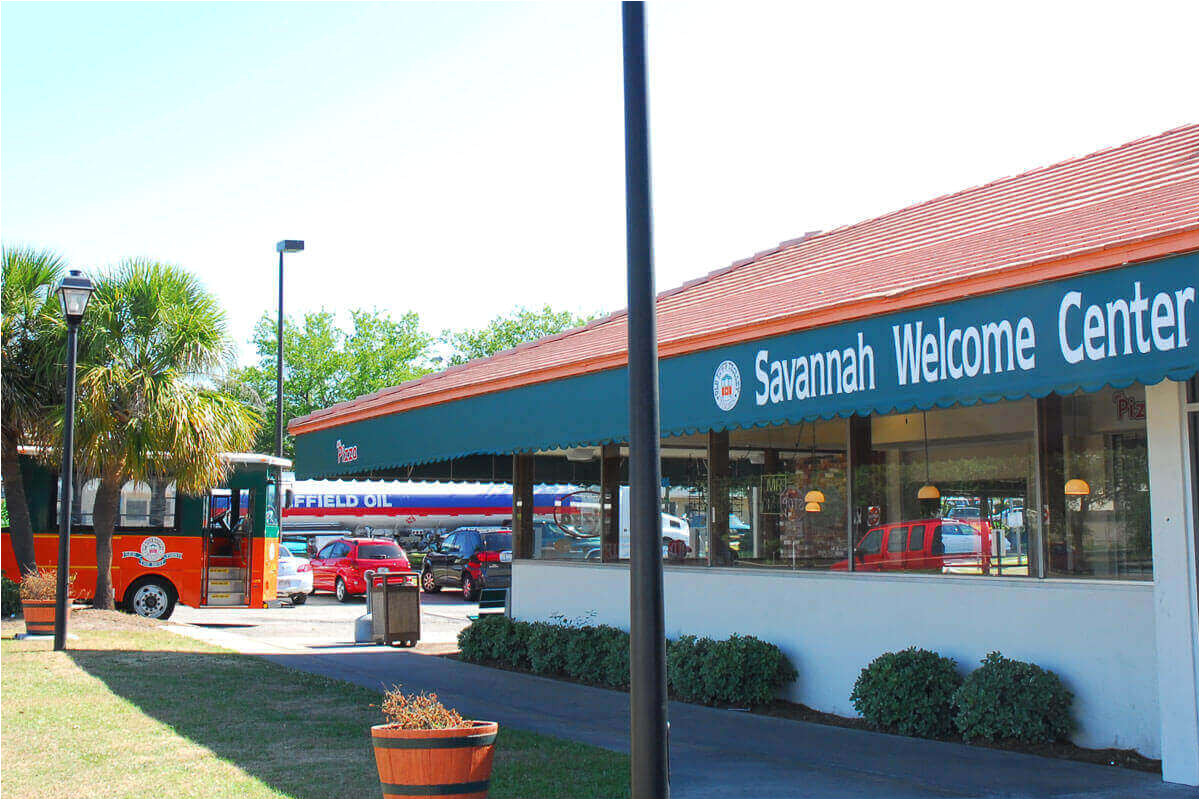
152,598
428,584
340,591
299,599
470,591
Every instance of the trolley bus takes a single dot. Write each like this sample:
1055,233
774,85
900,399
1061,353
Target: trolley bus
218,549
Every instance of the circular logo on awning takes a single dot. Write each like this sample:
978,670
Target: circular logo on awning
727,385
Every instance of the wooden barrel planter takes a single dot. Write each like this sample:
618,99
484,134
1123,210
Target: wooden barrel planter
454,762
39,616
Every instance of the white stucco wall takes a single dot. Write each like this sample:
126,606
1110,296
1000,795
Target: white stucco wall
1098,636
1174,579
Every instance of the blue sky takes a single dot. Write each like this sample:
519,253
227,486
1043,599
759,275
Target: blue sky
460,158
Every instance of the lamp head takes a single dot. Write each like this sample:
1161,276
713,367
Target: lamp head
812,507
289,246
1077,487
74,293
815,496
928,492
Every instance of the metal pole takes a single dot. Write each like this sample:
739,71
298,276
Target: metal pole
647,631
279,367
64,506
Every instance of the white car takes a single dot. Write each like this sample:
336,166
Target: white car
295,577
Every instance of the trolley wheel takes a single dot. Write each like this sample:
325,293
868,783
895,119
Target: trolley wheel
428,584
341,592
299,599
153,598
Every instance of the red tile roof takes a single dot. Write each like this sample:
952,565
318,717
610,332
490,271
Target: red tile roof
1123,204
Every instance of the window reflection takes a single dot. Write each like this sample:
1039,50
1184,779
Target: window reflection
981,461
1100,509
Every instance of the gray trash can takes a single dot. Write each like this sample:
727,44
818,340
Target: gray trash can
394,603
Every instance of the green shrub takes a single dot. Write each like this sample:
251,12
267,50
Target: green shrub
909,692
614,664
547,644
10,594
740,670
686,657
1009,699
598,654
493,637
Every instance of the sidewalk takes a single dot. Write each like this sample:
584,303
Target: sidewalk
717,753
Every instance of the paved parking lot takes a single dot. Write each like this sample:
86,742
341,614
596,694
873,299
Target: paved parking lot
322,623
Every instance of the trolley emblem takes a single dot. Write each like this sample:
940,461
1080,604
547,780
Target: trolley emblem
153,553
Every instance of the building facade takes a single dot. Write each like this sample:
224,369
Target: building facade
968,426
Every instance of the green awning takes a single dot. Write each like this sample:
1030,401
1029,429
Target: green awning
1133,324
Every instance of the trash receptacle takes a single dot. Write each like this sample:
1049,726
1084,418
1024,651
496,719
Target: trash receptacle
394,602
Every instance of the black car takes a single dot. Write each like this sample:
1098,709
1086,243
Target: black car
469,559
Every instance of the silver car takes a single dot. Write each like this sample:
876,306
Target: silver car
295,577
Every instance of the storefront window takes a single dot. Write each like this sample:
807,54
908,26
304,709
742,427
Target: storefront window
944,491
572,533
799,507
1100,510
950,491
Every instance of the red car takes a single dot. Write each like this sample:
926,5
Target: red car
923,544
340,566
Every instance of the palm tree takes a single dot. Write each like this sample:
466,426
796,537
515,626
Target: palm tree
154,342
30,382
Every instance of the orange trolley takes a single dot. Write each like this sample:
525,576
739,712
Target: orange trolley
220,549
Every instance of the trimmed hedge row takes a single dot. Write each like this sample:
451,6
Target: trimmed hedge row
919,693
740,670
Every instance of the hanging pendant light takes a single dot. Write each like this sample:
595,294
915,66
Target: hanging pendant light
814,497
928,491
1076,487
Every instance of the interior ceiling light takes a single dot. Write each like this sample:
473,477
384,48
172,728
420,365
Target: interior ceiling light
1076,487
928,491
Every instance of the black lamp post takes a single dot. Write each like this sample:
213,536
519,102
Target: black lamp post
286,246
648,747
74,293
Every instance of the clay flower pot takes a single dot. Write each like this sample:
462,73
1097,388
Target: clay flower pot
39,616
452,762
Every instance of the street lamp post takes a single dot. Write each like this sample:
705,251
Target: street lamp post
648,746
74,293
286,246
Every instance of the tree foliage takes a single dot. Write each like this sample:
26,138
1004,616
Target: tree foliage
31,379
506,331
147,402
324,364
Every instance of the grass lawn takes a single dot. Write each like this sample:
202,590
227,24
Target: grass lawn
131,710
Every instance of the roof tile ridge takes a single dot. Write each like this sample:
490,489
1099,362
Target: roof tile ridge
739,263
1011,178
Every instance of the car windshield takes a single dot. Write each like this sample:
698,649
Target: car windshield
379,551
497,541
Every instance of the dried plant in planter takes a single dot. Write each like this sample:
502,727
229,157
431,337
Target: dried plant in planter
41,585
418,712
